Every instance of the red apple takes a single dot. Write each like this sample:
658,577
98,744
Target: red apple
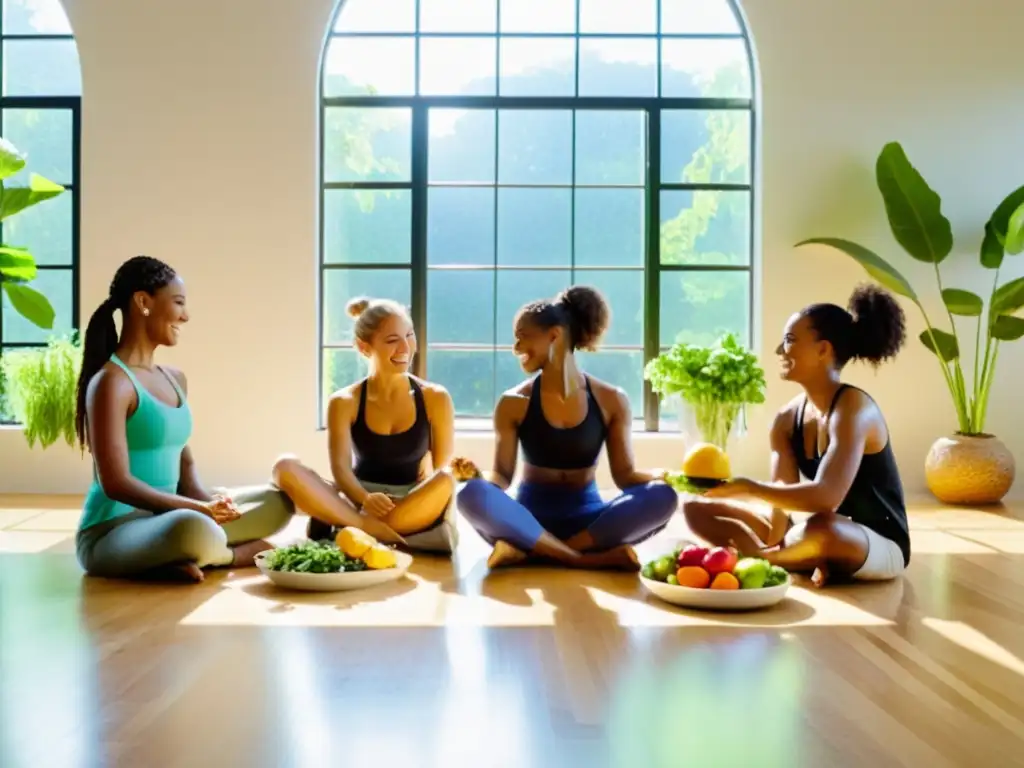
692,555
719,560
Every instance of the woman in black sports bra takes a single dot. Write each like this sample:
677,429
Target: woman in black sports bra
831,455
390,438
561,419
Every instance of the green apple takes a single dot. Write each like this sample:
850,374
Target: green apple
664,566
752,572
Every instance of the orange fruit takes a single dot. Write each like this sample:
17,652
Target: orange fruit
693,576
725,580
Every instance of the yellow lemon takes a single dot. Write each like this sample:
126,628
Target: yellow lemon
353,541
379,557
707,462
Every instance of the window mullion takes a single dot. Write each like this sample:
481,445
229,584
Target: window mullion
652,261
419,235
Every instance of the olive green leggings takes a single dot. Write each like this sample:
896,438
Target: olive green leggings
142,541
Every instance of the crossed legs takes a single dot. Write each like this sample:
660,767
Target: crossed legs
421,508
609,528
182,542
825,544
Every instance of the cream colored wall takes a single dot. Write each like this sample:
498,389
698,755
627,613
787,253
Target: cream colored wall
199,147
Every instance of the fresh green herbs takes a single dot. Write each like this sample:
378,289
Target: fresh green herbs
312,557
716,382
40,387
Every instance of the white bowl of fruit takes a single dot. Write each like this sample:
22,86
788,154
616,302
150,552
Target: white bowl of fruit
354,560
715,579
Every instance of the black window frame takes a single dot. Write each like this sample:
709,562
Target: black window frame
72,104
418,185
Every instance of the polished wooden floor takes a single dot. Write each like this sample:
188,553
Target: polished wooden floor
523,668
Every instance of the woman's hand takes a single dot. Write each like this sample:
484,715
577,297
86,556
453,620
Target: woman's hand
731,489
464,470
378,504
222,509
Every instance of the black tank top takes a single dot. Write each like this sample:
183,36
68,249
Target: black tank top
391,459
555,448
875,499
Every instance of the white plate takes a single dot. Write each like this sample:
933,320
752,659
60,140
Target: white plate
718,599
335,582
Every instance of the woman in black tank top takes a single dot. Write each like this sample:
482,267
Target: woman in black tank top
831,456
561,419
390,439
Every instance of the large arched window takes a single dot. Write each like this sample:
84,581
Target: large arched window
40,114
477,154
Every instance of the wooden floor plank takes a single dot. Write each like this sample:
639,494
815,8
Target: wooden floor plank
534,667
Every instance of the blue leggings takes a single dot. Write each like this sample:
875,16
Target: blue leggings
636,514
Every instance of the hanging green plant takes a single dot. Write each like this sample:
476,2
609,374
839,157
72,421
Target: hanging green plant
40,389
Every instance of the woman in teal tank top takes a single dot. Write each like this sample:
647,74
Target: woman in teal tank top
146,511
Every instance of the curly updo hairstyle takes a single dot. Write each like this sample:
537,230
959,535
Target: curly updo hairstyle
581,310
872,329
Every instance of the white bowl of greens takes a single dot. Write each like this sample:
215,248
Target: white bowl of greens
320,566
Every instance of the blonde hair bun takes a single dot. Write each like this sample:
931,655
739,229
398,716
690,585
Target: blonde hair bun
370,313
357,306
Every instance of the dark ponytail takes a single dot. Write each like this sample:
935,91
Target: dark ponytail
100,343
140,273
581,310
872,330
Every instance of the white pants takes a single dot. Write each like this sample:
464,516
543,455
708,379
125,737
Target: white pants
884,561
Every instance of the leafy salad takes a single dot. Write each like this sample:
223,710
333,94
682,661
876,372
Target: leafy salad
685,484
313,557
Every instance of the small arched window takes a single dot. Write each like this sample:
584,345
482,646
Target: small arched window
40,114
478,154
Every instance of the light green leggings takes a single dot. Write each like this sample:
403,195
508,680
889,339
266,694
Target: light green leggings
142,541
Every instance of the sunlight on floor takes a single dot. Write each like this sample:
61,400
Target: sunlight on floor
971,639
1009,541
25,542
944,542
413,602
410,602
802,607
12,516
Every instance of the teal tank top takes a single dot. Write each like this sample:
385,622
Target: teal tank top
156,434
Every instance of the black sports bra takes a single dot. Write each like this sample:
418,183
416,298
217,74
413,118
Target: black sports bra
575,447
392,459
875,498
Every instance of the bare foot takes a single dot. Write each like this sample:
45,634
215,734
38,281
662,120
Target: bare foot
504,554
245,554
622,558
820,577
180,572
381,531
189,572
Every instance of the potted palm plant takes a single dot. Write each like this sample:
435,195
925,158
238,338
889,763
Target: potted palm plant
969,466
